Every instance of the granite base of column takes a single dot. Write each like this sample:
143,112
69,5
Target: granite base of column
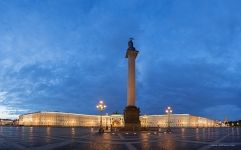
132,119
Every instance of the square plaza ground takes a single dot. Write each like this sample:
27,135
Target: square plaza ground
53,138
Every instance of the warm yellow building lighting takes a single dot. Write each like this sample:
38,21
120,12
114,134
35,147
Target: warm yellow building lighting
115,120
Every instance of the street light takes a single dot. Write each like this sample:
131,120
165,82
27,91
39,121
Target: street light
106,121
169,112
101,106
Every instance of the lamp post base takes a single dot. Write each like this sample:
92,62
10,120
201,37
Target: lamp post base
169,130
101,130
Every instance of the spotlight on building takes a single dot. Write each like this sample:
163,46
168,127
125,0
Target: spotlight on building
101,107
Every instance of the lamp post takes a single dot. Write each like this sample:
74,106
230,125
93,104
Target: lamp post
169,112
106,121
101,106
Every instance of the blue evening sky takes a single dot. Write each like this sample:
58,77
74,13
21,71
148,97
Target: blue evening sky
66,55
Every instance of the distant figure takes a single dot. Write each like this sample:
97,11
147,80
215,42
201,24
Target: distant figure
130,43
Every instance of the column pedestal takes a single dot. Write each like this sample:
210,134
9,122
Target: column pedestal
131,117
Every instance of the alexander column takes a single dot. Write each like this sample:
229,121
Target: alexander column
131,112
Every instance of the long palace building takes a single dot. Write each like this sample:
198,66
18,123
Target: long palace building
114,120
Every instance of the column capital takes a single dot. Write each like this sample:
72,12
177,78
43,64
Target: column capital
130,53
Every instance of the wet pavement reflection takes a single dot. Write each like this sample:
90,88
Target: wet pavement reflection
87,138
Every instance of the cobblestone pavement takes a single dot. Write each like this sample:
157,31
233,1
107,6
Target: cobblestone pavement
49,138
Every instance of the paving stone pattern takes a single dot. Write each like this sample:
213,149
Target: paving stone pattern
53,138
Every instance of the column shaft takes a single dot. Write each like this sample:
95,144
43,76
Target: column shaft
131,81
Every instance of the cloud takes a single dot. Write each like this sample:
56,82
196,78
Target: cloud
230,112
69,56
2,96
8,112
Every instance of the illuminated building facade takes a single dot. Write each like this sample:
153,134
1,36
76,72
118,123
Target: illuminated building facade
6,122
115,120
176,120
